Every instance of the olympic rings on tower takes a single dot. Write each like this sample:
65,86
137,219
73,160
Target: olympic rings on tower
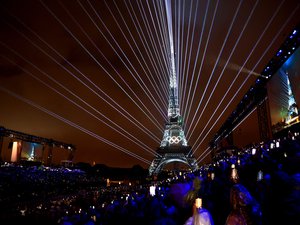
174,139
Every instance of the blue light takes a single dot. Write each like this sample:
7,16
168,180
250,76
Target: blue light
288,61
279,52
295,31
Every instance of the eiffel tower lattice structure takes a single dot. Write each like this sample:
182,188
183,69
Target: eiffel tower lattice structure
173,147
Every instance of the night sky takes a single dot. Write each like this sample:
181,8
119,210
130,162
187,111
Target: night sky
95,73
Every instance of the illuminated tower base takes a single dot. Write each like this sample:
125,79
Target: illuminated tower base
173,148
159,162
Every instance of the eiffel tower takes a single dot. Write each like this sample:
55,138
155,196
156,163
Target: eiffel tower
292,111
173,147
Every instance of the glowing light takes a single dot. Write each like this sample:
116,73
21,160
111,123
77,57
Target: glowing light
152,190
234,174
259,175
198,203
173,80
14,153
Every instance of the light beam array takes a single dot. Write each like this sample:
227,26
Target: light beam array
130,44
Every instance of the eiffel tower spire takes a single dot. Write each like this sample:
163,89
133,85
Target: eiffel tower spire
173,147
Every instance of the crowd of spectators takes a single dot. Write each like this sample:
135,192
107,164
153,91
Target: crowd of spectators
259,185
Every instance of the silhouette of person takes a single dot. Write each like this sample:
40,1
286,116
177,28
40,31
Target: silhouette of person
200,215
245,210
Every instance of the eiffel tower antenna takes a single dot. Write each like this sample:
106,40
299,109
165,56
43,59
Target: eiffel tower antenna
173,147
